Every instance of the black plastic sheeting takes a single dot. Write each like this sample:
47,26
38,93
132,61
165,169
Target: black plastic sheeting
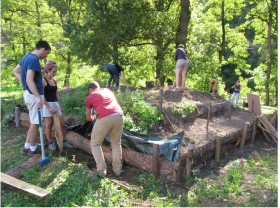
168,148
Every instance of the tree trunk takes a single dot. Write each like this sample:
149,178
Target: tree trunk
269,61
68,70
185,16
221,52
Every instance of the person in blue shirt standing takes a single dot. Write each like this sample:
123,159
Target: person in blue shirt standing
28,71
237,88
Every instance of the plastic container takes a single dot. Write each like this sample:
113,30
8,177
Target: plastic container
150,84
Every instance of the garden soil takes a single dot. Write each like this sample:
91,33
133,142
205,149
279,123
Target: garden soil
194,127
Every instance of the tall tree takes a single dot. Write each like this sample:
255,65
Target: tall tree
264,13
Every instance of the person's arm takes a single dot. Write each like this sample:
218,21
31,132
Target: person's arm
240,88
31,84
89,115
176,56
123,78
17,72
233,86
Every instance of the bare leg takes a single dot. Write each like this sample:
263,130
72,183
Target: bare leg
184,73
62,124
32,134
178,71
49,125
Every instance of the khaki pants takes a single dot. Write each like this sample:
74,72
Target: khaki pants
113,124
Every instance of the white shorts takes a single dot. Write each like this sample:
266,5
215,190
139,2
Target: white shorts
30,101
53,105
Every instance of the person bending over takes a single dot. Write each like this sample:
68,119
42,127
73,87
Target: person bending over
52,104
115,70
109,118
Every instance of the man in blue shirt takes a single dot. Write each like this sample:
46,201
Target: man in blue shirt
28,71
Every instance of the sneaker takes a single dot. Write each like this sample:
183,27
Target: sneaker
25,151
52,146
32,153
67,145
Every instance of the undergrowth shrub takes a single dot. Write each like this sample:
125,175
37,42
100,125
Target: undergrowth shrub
184,108
139,115
75,102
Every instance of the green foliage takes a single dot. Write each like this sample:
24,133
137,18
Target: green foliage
184,108
75,103
139,115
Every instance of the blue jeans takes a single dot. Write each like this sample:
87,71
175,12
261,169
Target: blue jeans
111,68
233,96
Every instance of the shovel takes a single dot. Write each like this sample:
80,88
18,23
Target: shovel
44,159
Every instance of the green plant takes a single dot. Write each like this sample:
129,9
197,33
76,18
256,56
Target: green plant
183,108
139,115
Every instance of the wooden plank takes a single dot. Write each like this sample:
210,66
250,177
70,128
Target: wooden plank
188,164
58,132
24,186
272,136
268,125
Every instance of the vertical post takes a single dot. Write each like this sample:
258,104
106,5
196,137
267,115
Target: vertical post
58,132
189,161
17,116
242,104
229,108
218,148
160,99
155,167
252,105
244,135
209,113
255,128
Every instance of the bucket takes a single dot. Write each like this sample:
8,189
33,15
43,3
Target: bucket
150,84
169,82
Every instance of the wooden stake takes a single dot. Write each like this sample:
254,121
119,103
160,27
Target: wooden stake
17,116
210,84
229,108
218,148
209,113
58,132
242,104
188,164
160,99
244,135
273,119
155,167
264,130
255,128
252,106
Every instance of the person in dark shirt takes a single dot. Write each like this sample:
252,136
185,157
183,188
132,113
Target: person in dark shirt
237,88
182,65
115,70
52,104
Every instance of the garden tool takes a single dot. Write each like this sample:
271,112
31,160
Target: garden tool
44,159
